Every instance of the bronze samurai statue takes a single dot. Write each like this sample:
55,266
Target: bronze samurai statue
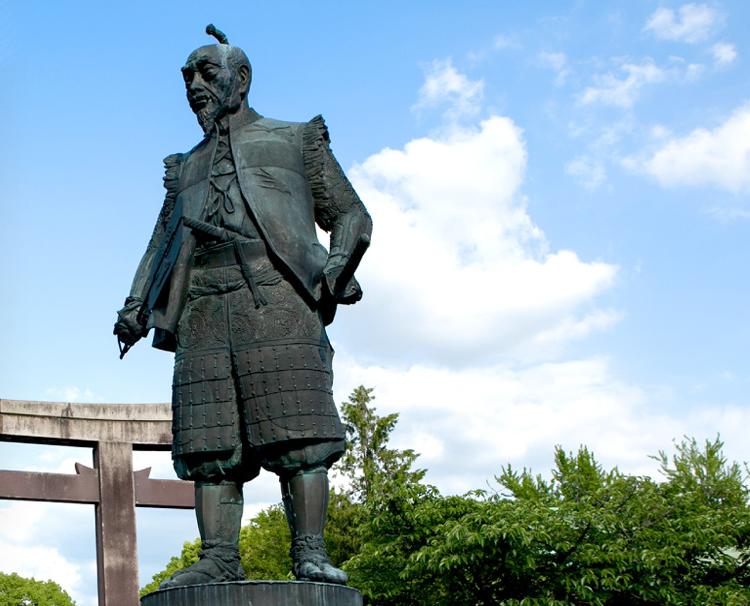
235,282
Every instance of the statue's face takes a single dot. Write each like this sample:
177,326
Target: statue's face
209,83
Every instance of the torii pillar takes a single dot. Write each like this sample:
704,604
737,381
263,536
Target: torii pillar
113,431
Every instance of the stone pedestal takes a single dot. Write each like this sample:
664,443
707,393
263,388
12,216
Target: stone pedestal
256,593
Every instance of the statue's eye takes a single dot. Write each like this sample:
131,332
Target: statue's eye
187,75
209,73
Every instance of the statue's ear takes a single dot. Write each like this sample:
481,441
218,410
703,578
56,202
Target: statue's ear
244,74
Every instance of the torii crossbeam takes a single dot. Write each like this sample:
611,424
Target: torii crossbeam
113,431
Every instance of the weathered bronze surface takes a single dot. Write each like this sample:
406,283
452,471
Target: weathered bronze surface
236,283
256,593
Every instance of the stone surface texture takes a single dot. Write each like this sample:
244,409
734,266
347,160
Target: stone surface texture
112,486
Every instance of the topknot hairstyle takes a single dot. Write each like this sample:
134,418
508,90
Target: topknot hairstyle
217,33
235,57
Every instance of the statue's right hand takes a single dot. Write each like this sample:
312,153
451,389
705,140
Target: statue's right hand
128,327
126,331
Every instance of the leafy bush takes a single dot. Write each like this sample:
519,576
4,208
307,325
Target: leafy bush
16,590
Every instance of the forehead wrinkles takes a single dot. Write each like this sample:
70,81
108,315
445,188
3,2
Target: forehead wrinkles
216,55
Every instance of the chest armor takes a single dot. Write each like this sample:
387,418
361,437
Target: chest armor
271,175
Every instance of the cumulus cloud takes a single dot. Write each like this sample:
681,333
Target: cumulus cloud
29,548
589,172
43,564
466,315
458,270
718,157
473,421
468,309
448,89
574,328
690,23
724,53
622,90
557,62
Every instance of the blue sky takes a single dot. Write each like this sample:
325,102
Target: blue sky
560,198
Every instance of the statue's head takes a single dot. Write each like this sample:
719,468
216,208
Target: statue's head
217,79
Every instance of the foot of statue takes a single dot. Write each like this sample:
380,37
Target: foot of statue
310,562
218,562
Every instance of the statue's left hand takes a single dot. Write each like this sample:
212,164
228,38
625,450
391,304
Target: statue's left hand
351,293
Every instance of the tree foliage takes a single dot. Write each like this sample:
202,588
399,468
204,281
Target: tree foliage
264,550
373,475
587,536
264,546
189,555
584,536
371,468
16,590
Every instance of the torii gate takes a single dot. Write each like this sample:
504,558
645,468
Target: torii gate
113,431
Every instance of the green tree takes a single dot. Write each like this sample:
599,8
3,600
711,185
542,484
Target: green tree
343,527
19,591
264,546
375,477
371,468
391,513
402,525
585,536
264,550
189,555
595,537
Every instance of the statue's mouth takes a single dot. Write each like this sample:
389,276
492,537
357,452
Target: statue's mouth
199,101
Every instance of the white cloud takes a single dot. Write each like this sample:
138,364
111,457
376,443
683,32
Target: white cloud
589,172
457,269
724,53
43,564
718,157
447,88
558,62
690,23
502,41
693,72
159,462
28,549
71,393
622,88
473,421
732,213
609,89
574,328
683,71
467,312
659,131
468,303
